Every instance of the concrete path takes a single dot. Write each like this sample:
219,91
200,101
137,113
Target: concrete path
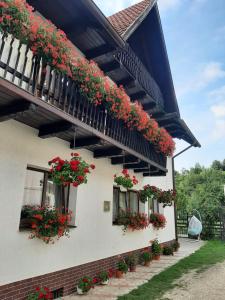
132,280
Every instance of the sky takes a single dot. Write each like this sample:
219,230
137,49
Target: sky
194,32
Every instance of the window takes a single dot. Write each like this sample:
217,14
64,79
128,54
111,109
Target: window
123,201
153,206
40,190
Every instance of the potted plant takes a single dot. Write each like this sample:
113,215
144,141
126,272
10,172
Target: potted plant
125,181
175,245
48,224
40,293
103,277
74,171
167,250
157,220
84,285
146,258
156,249
132,261
121,269
166,197
132,221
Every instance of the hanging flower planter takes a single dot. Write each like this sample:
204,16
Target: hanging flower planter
147,193
49,224
125,181
74,171
165,197
157,220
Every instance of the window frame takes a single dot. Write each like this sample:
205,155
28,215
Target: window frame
127,200
45,181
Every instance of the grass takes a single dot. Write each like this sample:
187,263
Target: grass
211,253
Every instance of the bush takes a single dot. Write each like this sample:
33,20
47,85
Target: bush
167,250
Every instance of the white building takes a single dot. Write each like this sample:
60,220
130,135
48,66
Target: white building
34,129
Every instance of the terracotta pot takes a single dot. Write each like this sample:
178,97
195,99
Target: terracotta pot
132,268
119,274
156,257
147,263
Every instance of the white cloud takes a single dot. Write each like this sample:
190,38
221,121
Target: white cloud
218,110
206,75
218,98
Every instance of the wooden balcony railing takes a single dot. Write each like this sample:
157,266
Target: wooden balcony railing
135,67
22,68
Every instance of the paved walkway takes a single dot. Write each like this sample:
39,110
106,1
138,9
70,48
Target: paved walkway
132,280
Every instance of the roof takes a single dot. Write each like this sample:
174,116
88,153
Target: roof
125,19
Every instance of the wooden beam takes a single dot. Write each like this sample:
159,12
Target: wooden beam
139,165
108,152
14,109
155,173
126,82
146,170
98,51
85,142
53,129
108,67
149,105
138,96
167,118
124,159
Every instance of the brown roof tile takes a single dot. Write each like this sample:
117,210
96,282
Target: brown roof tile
123,19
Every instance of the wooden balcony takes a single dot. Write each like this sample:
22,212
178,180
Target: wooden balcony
52,103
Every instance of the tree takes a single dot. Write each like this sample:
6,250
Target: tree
217,165
202,189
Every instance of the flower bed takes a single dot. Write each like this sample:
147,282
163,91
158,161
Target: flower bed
64,172
40,293
48,224
125,180
52,45
157,220
133,221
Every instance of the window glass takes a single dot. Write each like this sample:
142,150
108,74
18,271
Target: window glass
155,206
115,203
133,199
122,201
33,190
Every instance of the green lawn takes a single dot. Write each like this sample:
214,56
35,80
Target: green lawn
211,253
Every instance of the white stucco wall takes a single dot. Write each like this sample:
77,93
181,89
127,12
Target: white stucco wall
94,238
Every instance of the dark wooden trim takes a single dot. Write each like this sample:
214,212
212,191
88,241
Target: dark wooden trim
10,111
124,159
148,106
52,129
138,95
154,173
98,51
85,142
139,165
167,118
108,152
109,67
126,82
22,94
